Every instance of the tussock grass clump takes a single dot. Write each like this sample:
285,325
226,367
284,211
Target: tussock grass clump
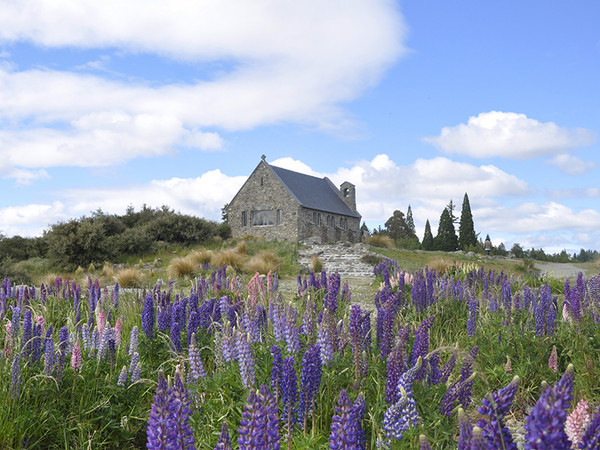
182,267
229,258
263,262
316,263
242,248
380,240
108,270
130,277
91,268
50,278
440,265
201,256
79,271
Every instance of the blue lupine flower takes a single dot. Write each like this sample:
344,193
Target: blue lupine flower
224,442
183,436
545,424
591,438
15,384
496,407
259,427
159,431
195,360
148,317
344,433
122,377
310,380
245,359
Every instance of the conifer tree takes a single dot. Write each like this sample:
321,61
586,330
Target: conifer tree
410,221
446,239
428,237
466,230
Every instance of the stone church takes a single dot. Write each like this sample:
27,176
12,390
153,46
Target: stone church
281,204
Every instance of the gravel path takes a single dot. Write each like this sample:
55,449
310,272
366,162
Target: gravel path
559,270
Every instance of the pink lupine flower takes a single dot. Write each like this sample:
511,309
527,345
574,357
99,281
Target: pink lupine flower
101,322
118,329
567,317
553,360
76,356
577,422
408,278
508,365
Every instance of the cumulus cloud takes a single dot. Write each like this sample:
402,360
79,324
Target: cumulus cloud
509,135
282,61
30,220
571,165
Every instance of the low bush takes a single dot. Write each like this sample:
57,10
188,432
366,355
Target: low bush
263,262
182,267
129,278
380,240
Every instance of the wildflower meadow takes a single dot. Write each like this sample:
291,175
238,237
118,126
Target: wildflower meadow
467,359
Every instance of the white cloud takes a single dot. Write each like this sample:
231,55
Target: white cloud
30,220
571,165
296,166
289,61
509,135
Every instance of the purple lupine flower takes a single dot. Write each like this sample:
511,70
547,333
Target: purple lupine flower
63,340
159,432
289,393
183,436
478,442
136,373
465,436
135,360
292,338
15,321
472,320
15,384
122,377
424,443
276,370
545,424
26,344
148,317
310,380
176,336
591,437
224,442
325,344
195,360
496,407
49,356
245,359
396,366
36,343
454,393
434,373
448,367
133,340
421,344
344,433
259,427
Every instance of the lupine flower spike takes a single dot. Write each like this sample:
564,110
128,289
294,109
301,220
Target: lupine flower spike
224,442
553,360
577,422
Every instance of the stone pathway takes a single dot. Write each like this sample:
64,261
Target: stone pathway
344,258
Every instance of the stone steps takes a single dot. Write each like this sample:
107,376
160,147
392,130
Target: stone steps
344,258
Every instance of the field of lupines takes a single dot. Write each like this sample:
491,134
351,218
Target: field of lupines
434,360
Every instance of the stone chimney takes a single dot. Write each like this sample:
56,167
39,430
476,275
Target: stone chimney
348,194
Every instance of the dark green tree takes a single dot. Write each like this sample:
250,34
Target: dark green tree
399,231
410,221
428,243
517,250
466,230
446,239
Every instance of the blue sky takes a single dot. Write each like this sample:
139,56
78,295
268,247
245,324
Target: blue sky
110,104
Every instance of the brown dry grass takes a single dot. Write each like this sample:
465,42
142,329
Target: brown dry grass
201,256
49,278
130,277
108,270
182,267
440,265
380,240
242,248
229,258
316,263
263,262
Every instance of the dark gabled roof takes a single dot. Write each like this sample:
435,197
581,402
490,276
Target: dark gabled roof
312,192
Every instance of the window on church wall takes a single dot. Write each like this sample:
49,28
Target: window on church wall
278,217
244,219
263,217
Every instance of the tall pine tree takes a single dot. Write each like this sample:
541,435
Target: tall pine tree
446,239
428,237
410,222
466,230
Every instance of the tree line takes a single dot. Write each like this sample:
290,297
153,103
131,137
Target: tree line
400,228
104,237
